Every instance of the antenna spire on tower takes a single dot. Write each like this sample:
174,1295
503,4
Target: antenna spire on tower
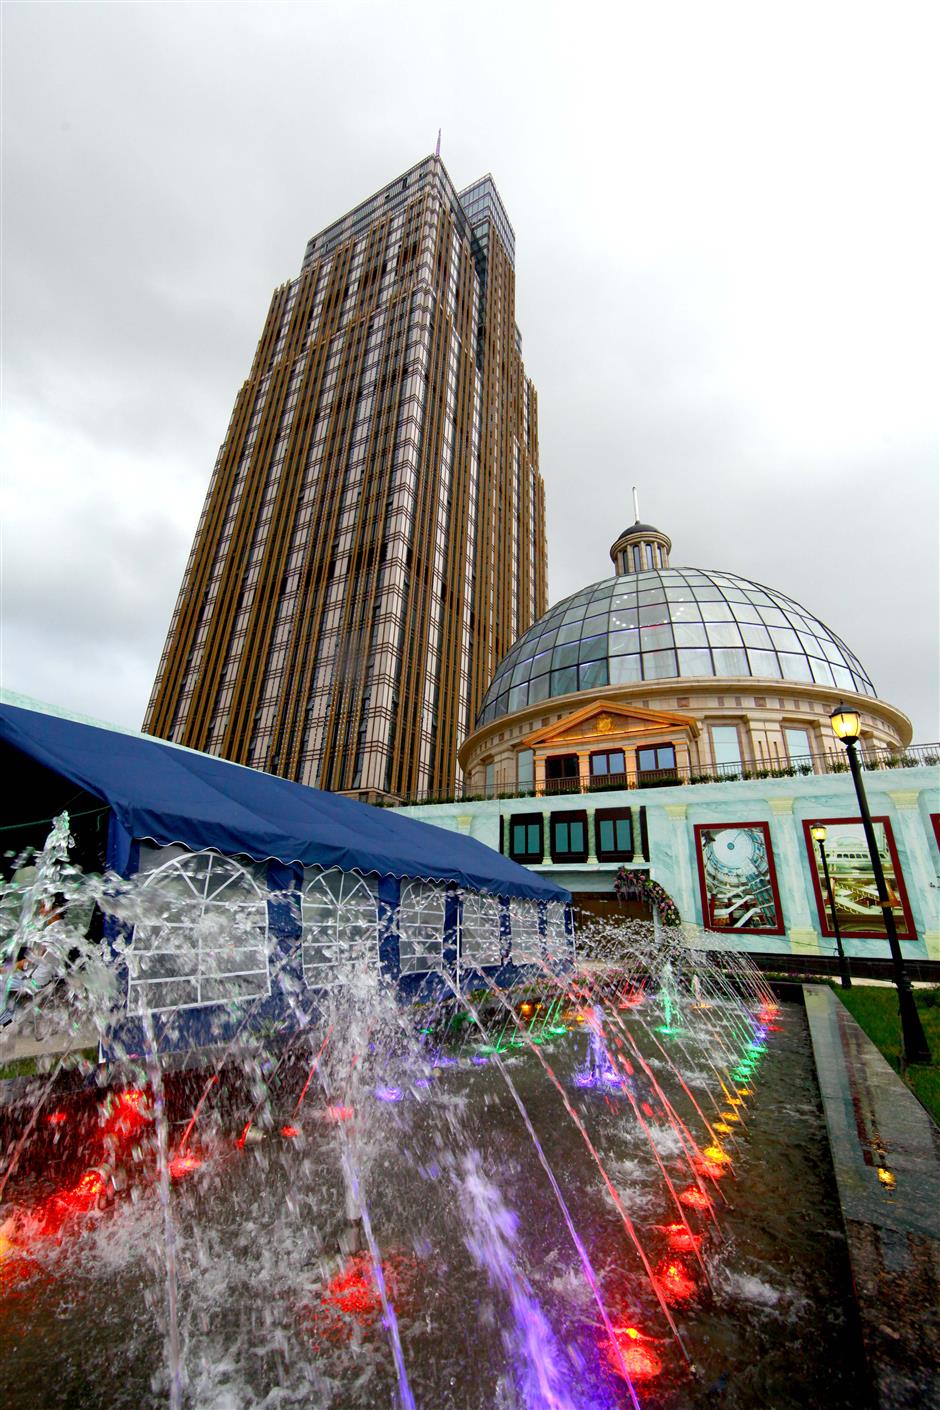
636,506
437,149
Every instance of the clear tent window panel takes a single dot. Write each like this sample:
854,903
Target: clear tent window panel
421,915
557,939
340,925
204,935
480,931
524,927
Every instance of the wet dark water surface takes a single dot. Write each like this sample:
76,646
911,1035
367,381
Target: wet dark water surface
493,1305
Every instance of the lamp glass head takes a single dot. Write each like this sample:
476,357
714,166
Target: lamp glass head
818,832
846,722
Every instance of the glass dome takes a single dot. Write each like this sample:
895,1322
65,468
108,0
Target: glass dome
669,623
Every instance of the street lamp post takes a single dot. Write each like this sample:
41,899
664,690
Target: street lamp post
847,726
818,834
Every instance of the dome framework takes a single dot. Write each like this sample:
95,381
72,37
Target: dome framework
670,624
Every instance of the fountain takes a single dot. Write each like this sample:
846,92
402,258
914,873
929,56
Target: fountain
561,1186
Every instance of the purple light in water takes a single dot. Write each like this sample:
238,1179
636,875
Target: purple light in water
598,1080
388,1094
479,1059
422,1082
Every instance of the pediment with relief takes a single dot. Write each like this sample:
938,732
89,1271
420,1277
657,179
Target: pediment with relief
598,722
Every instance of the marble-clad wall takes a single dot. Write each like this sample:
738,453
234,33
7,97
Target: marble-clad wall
908,797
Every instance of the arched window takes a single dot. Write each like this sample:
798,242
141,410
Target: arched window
524,927
204,936
340,925
421,927
479,931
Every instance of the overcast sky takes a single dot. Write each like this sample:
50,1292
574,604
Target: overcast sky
726,227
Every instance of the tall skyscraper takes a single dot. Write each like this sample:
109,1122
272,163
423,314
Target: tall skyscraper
372,540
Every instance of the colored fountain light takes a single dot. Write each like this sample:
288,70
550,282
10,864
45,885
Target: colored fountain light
650,1115
681,1239
633,1352
716,1155
183,1164
694,1198
887,1177
676,1282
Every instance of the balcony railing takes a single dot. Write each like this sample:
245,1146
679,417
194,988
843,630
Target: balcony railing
830,762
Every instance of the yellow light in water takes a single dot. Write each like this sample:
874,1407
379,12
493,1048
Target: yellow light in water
887,1178
716,1154
735,1101
730,1116
722,1128
744,1092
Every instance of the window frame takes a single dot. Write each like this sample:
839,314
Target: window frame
613,815
660,768
728,764
569,816
525,820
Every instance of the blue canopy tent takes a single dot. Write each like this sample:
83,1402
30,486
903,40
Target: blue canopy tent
168,806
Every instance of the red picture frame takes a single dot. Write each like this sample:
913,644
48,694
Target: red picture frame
708,900
849,928
935,819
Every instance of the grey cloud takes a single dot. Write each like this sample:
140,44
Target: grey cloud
709,305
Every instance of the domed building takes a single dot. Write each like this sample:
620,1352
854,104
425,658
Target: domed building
663,674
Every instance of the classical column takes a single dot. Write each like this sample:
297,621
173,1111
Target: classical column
684,894
922,872
546,837
591,840
801,932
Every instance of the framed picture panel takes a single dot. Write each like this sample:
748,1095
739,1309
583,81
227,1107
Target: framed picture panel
935,819
853,880
738,879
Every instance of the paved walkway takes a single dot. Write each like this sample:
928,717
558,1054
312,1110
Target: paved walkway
886,1154
22,1041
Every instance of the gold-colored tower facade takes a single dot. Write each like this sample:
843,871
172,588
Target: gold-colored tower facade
373,536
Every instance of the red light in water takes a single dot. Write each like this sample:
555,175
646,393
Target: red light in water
682,1239
56,1118
290,1131
353,1290
182,1165
711,1169
351,1298
647,1109
90,1185
240,1143
675,1281
695,1198
629,1066
635,1354
340,1113
124,1114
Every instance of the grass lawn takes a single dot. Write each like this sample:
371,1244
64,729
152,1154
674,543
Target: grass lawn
875,1009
